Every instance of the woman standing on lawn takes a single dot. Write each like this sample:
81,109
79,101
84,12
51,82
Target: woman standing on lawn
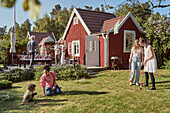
48,82
135,61
150,63
63,50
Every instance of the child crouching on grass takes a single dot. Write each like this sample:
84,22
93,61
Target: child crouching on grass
29,94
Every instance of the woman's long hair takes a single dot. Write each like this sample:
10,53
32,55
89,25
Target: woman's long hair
137,47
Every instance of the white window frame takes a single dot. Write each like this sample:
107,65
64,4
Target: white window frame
74,20
77,43
69,45
124,48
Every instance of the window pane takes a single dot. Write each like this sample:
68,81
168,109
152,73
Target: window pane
90,45
129,41
94,45
74,48
75,20
77,48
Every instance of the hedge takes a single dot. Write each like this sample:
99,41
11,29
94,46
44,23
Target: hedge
65,72
5,84
17,75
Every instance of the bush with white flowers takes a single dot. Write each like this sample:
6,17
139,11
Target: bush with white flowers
6,96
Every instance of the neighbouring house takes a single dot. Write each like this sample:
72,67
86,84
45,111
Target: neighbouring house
43,39
90,37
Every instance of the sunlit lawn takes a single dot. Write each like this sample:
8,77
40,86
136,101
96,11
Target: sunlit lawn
1,65
106,92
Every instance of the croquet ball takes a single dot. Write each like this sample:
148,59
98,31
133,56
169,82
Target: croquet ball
140,88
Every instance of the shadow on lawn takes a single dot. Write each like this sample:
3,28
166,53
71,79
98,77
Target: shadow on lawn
82,92
161,82
16,87
163,86
94,76
31,106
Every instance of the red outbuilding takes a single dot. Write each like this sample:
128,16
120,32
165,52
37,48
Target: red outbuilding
91,38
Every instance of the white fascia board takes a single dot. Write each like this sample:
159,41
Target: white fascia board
124,20
49,39
81,20
54,37
28,34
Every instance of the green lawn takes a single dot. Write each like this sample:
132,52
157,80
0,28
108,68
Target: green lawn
1,65
106,92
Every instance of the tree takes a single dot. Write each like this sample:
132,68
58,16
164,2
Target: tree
56,24
25,27
158,32
153,4
141,12
103,8
2,31
43,24
34,6
158,4
3,51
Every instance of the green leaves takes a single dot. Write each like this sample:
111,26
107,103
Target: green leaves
5,84
7,3
56,24
157,30
25,5
141,12
34,6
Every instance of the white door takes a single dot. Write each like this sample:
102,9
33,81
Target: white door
92,51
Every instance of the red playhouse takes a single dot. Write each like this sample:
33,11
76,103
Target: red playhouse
98,38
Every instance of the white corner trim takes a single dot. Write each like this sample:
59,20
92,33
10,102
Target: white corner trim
133,19
103,36
81,20
106,51
98,46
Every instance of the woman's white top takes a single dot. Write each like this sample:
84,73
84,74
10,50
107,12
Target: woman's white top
63,54
43,51
151,65
57,49
137,53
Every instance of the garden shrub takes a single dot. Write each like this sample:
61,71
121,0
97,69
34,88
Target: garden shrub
38,73
68,72
5,84
6,96
17,75
166,64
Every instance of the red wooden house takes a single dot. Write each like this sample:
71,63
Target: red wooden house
90,37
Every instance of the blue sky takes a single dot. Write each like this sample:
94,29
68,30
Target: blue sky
6,17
